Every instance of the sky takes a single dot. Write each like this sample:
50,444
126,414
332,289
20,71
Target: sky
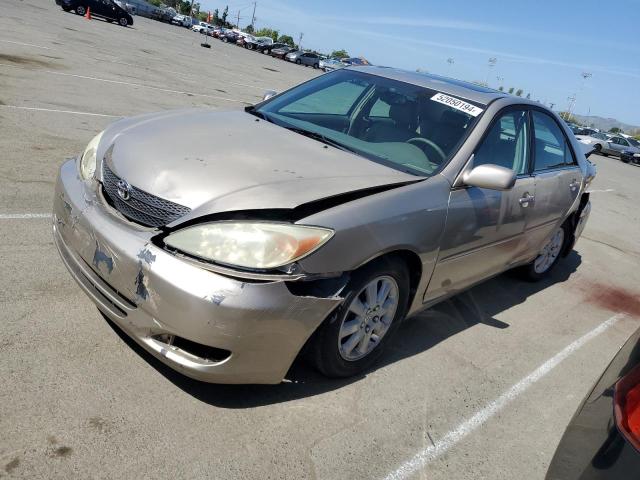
542,47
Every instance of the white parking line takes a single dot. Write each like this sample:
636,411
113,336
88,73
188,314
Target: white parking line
131,84
21,216
59,111
601,191
26,44
439,447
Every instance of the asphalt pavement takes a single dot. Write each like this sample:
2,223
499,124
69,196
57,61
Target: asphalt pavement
479,387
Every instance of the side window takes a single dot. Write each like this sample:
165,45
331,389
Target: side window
624,142
335,99
551,149
380,109
507,143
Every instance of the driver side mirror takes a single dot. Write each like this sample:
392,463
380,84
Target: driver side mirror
492,177
268,94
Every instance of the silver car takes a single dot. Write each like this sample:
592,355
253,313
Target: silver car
308,59
619,144
324,216
599,141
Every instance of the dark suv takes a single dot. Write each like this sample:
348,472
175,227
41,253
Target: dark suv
106,9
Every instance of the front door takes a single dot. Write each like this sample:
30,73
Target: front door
484,233
557,180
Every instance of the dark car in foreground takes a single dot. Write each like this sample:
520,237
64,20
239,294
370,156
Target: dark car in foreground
325,216
106,9
602,442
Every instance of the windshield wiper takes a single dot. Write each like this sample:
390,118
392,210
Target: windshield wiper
322,138
257,113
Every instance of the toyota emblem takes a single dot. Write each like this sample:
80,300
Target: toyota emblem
124,190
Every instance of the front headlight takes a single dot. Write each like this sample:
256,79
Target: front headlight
259,245
637,155
88,158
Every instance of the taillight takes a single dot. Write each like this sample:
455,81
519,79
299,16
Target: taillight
626,400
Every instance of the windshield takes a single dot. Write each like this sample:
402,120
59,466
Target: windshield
634,142
401,125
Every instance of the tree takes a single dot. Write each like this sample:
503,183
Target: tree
249,29
225,13
287,39
268,32
339,54
501,88
528,96
519,92
155,3
615,130
511,90
216,17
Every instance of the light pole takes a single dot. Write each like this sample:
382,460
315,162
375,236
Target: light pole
490,64
300,41
572,98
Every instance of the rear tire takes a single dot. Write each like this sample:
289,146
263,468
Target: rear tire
315,66
298,62
353,337
548,258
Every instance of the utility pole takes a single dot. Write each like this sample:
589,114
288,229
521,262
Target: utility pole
238,22
450,61
253,17
300,41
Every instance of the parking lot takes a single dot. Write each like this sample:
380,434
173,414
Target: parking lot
479,387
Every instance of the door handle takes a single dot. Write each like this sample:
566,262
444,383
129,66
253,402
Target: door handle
524,201
574,184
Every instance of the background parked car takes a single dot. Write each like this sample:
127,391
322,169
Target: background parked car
308,59
106,9
182,20
329,64
281,51
602,442
599,141
267,48
254,43
630,157
357,61
617,145
202,27
229,36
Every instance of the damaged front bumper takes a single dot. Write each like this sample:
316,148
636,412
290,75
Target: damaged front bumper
205,325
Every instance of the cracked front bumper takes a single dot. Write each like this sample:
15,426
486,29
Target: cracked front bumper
152,295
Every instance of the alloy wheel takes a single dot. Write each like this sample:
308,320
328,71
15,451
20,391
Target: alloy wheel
368,318
550,252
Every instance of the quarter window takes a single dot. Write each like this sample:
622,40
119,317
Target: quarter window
507,143
551,148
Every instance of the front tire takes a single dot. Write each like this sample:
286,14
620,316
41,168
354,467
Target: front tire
80,10
123,21
548,257
354,336
298,62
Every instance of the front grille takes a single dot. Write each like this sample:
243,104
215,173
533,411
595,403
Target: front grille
141,207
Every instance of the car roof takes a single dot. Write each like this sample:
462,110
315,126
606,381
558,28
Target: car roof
451,86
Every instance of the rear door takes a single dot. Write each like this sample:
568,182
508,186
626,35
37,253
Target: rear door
557,179
484,233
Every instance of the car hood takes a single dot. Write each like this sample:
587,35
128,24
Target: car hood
221,161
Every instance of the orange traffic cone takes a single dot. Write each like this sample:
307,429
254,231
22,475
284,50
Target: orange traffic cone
88,15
